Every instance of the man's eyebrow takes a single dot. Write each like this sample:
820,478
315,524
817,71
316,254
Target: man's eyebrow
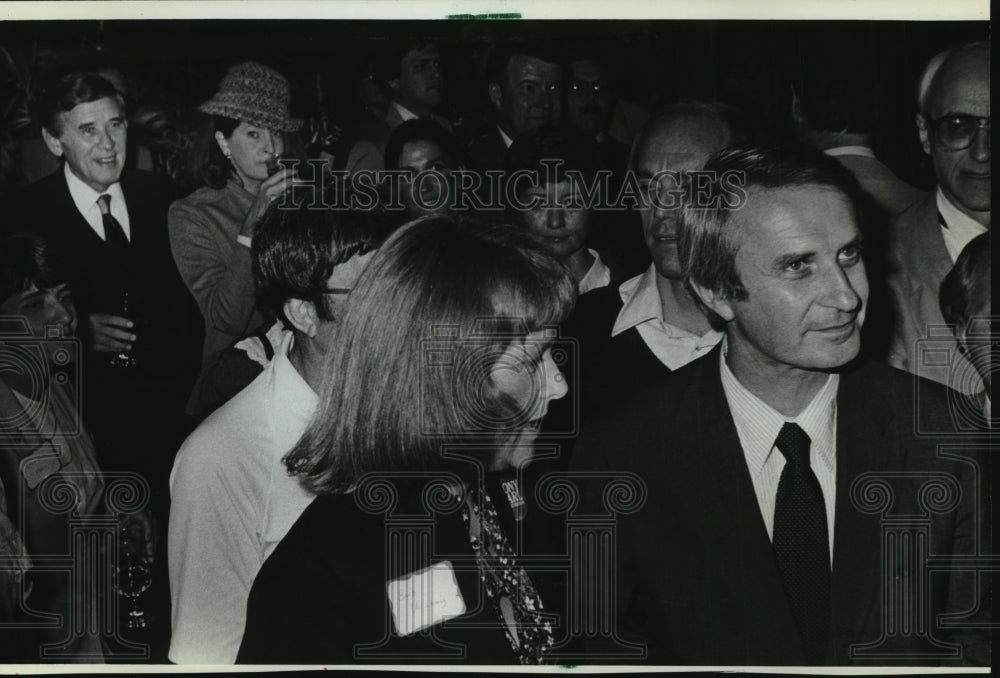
856,241
785,259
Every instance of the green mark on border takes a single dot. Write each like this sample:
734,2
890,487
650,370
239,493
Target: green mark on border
473,17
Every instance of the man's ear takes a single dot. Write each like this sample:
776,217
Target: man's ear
925,140
53,144
714,300
496,95
394,86
302,315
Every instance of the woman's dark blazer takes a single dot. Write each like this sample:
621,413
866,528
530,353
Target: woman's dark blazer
321,597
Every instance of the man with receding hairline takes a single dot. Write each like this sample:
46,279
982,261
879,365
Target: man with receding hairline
954,127
650,325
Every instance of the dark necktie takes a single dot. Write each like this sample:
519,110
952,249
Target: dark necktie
800,541
114,234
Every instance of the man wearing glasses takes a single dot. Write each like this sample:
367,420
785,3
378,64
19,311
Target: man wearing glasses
231,498
954,124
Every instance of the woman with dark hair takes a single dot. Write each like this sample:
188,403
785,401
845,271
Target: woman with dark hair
441,374
49,476
211,229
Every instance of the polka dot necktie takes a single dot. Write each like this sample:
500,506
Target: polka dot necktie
801,543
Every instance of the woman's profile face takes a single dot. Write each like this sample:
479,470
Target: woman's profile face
250,148
44,309
527,373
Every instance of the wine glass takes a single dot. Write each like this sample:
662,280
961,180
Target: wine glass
124,359
132,577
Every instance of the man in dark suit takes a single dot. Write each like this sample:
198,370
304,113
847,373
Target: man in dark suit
110,226
141,329
785,485
525,85
926,239
412,73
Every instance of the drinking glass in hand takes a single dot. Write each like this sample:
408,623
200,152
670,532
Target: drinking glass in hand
132,577
124,358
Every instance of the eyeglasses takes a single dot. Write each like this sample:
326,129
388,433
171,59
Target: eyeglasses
956,132
580,86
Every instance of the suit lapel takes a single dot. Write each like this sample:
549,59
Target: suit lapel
929,251
733,523
77,228
862,443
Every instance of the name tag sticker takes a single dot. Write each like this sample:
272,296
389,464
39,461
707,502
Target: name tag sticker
424,598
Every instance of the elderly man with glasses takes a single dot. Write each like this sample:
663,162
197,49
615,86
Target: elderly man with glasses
954,125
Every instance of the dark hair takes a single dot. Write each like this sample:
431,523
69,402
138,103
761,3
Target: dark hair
706,244
295,250
967,282
411,371
388,63
419,129
575,151
66,92
27,259
209,165
502,53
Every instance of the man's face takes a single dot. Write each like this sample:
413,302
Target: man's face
531,98
420,85
961,88
799,258
92,138
338,286
677,145
561,228
44,308
419,156
588,100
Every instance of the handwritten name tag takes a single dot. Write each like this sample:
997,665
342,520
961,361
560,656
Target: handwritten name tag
424,598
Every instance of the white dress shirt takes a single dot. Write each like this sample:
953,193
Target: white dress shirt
85,199
404,112
850,150
961,228
598,275
232,501
507,141
758,424
642,309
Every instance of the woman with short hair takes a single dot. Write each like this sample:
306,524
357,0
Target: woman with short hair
442,373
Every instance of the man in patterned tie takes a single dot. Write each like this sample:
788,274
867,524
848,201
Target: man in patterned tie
763,539
953,99
140,327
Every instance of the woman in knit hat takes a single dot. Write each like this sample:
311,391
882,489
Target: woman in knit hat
211,230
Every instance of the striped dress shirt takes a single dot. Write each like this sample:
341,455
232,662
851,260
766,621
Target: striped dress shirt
757,425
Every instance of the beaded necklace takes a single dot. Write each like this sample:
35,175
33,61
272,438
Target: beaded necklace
514,597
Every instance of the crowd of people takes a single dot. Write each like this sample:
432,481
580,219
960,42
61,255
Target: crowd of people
552,392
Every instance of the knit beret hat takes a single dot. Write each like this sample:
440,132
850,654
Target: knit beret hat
255,94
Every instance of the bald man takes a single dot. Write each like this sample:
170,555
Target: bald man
954,127
634,334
